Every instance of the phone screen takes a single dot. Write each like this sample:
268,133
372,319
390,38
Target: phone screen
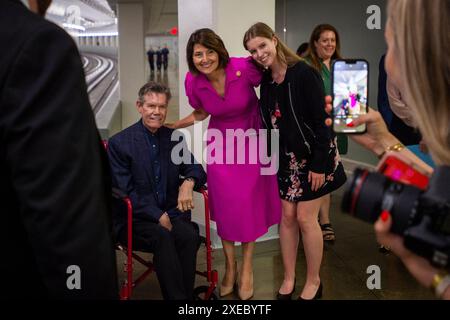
350,94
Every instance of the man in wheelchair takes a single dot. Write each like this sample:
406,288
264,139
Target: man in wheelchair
142,167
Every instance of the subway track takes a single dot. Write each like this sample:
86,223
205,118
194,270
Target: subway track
101,77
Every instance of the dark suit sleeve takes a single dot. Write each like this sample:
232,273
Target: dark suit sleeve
53,154
192,169
314,94
143,201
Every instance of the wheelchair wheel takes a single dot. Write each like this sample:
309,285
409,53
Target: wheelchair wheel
200,292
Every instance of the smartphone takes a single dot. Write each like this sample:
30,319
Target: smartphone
400,168
350,88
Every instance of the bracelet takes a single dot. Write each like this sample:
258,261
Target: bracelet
441,281
395,147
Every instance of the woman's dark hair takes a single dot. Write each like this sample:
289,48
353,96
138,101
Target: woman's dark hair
302,49
209,39
315,36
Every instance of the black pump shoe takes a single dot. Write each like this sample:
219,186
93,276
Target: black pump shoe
317,296
287,296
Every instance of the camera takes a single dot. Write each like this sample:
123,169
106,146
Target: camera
419,205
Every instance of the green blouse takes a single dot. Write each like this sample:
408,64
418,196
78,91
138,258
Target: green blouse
325,73
326,77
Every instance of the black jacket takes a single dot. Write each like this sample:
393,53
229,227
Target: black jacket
129,156
54,182
302,125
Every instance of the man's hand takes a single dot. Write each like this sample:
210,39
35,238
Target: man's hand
185,196
164,220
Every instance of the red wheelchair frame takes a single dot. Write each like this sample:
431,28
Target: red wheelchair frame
128,285
201,292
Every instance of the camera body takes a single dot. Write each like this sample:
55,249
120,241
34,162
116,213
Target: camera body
419,205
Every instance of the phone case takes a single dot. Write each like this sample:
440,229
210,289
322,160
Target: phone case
347,61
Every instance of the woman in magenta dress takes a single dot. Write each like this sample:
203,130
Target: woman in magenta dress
244,203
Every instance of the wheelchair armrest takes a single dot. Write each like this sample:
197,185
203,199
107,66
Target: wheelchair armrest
202,188
199,189
119,194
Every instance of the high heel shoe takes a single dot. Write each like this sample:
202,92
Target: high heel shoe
317,296
226,290
287,296
246,294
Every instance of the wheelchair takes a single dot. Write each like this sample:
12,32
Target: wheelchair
205,292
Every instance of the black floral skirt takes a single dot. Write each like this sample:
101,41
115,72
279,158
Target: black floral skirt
293,176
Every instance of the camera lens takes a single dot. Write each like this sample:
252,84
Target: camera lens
367,186
420,216
368,193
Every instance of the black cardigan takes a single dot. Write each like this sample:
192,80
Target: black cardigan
302,125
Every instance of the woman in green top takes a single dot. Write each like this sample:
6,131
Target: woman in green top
324,47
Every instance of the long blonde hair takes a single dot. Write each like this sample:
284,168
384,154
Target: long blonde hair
284,54
421,35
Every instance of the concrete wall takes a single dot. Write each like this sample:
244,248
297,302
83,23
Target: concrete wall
233,18
132,58
357,41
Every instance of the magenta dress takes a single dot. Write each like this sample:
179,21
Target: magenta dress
244,203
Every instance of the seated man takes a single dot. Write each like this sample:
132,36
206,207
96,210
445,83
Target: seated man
142,167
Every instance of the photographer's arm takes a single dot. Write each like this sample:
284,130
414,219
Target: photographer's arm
378,138
419,267
196,115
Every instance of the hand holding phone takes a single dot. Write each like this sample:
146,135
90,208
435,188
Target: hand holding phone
350,82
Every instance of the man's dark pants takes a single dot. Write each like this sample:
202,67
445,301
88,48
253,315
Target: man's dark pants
174,253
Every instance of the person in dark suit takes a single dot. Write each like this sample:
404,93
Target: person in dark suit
147,165
151,59
165,57
159,58
56,229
